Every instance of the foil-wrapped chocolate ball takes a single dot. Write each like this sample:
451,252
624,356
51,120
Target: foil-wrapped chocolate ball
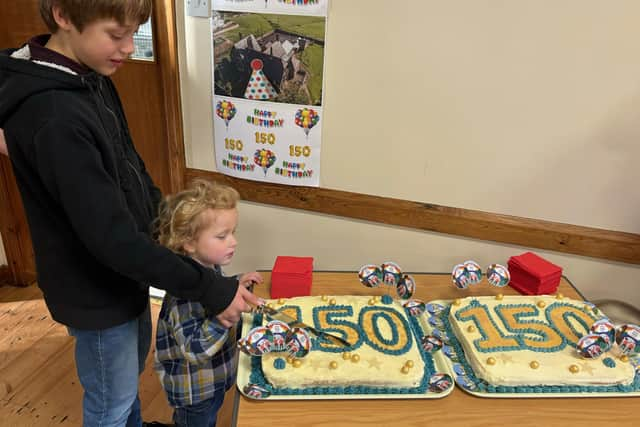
628,339
605,328
391,273
370,275
592,346
498,275
406,287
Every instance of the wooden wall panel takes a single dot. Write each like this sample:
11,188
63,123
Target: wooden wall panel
567,238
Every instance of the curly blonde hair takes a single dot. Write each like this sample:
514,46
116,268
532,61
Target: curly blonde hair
180,219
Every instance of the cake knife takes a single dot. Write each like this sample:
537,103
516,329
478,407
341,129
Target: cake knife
274,314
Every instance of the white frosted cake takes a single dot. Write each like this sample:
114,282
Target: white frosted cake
531,341
385,355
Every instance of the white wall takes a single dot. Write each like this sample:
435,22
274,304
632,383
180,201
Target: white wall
517,107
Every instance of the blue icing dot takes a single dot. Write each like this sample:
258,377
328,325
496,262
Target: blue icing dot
609,362
279,363
386,299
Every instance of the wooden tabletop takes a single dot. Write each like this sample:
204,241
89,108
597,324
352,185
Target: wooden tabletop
457,409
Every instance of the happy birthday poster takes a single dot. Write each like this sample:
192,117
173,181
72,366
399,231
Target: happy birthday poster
268,76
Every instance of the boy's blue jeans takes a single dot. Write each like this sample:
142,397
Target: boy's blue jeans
109,362
201,414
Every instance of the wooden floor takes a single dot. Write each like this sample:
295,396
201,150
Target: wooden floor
38,381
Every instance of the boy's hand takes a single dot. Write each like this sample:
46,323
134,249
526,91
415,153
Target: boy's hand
242,302
248,279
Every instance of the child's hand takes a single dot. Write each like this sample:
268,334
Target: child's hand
248,279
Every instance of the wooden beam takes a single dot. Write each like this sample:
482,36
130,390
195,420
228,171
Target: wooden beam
167,57
547,235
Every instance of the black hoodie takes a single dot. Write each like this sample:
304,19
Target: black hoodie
89,200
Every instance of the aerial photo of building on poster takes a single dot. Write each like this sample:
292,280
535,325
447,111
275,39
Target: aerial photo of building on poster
268,82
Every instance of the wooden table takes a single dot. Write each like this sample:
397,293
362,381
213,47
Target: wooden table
457,409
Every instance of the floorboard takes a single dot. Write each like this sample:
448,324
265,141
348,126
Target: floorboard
38,382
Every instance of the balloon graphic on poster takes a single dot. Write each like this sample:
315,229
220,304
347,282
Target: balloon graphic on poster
264,158
306,118
226,111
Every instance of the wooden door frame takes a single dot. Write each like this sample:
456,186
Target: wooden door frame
20,269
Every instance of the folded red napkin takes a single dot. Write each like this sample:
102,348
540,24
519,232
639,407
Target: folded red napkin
535,265
533,275
291,277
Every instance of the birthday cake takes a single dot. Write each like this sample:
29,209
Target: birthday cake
530,344
385,355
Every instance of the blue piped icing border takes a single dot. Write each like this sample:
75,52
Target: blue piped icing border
481,386
257,376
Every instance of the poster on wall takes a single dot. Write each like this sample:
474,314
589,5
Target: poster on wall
268,74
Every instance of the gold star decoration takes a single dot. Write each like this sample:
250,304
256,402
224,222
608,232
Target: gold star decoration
315,364
506,358
374,363
587,367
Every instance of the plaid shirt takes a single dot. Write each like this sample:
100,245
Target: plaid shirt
195,355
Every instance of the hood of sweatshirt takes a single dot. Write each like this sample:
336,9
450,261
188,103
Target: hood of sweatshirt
21,78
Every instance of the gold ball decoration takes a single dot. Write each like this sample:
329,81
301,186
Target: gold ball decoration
333,365
535,364
499,297
372,301
409,364
541,304
559,296
457,301
346,355
324,297
491,361
297,363
289,359
332,301
574,369
270,305
624,358
355,358
281,301
471,328
404,370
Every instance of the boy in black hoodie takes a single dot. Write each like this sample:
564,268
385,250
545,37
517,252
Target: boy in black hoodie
90,202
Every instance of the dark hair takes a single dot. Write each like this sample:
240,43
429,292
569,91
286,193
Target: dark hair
83,12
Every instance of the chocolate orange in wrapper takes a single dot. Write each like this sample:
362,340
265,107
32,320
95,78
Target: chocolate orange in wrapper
415,306
605,328
298,342
279,330
391,273
459,276
430,343
498,275
246,348
259,340
440,382
406,287
474,272
370,275
628,339
592,346
255,391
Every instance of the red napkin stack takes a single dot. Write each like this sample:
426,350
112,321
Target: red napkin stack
533,275
291,277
